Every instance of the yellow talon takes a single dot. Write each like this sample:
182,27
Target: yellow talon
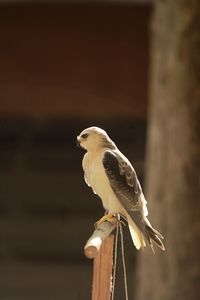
109,218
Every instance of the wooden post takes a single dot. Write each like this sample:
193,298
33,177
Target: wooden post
102,270
100,247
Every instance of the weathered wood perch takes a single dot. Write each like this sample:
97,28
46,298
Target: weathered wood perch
100,247
95,241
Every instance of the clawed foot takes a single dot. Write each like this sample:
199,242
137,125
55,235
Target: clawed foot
109,218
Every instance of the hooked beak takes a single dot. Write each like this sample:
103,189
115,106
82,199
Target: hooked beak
78,144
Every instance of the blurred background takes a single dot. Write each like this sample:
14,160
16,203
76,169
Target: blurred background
132,68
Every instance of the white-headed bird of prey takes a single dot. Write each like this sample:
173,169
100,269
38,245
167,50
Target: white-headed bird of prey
111,176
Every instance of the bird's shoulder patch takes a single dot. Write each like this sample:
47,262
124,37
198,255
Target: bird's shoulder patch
110,162
116,165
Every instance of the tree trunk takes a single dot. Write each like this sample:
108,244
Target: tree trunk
173,153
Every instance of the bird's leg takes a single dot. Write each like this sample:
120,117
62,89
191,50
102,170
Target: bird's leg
107,217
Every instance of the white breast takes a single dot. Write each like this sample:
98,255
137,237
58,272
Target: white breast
96,177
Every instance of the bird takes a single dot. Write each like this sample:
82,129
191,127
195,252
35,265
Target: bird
112,177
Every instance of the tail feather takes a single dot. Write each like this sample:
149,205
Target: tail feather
148,224
152,234
144,232
136,234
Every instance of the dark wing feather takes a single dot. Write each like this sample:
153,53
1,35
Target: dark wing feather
124,182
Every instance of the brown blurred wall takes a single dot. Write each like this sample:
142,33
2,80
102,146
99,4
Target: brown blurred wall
74,60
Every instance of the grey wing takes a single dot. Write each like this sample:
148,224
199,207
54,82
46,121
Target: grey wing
125,184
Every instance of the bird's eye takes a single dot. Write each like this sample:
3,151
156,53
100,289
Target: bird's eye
84,136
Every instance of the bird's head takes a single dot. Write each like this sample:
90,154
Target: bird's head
94,138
